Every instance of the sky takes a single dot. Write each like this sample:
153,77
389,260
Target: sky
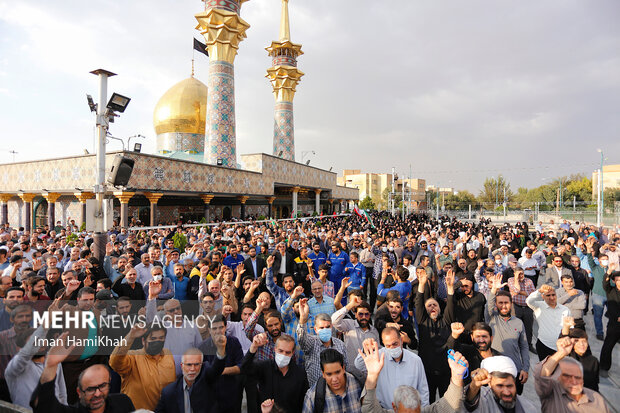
456,91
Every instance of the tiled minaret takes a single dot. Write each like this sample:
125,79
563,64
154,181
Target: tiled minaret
223,30
284,76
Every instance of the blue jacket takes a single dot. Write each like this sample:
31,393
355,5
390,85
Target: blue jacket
356,274
202,394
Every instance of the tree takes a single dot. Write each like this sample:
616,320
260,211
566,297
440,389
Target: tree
367,203
461,200
610,197
580,187
493,191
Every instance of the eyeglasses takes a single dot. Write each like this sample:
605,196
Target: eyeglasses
89,391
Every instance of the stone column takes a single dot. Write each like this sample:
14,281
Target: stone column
243,200
27,198
4,198
206,198
317,201
295,193
83,197
153,199
51,198
270,200
330,210
124,197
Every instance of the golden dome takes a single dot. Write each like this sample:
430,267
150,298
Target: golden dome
183,108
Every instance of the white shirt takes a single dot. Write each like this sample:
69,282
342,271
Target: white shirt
283,264
524,262
235,329
549,319
144,273
409,372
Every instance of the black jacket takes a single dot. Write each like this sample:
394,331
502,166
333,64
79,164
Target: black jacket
249,269
202,395
287,391
46,402
434,335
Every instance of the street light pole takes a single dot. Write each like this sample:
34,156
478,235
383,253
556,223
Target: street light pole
100,236
600,188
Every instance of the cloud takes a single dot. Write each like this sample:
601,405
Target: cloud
477,86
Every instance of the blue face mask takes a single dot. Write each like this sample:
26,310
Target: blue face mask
325,334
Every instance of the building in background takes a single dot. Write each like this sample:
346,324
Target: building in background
368,184
414,193
196,172
611,179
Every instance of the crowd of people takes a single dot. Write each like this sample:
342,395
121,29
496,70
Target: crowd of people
325,314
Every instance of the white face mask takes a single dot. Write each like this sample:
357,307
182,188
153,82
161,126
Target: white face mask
282,360
391,248
604,263
157,278
384,249
394,352
498,262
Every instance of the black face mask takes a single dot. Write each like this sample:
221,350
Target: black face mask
154,347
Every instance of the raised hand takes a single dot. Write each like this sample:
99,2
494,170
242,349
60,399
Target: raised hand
227,310
154,289
266,406
299,290
59,352
270,260
345,283
480,377
457,369
565,346
480,264
220,342
457,329
254,285
259,340
261,304
240,270
109,248
450,279
497,283
373,359
304,311
137,331
72,286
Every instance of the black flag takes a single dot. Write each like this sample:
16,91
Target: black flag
201,47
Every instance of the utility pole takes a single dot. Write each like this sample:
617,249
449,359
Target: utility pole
504,203
101,237
496,189
600,188
392,189
403,196
437,202
598,199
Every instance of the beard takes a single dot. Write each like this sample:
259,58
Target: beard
507,405
482,346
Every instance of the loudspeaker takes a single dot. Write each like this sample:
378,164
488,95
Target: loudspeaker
121,170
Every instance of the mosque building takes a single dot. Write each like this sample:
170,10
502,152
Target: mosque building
195,172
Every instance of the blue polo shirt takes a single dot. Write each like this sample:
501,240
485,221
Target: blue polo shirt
233,262
336,271
180,288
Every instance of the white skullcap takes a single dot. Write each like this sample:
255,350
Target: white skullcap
504,242
502,364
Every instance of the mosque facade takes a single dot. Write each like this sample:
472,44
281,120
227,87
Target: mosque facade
196,172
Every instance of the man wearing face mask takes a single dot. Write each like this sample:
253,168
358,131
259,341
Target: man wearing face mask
311,345
279,379
145,372
400,368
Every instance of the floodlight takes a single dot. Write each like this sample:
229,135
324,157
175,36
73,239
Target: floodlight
118,103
